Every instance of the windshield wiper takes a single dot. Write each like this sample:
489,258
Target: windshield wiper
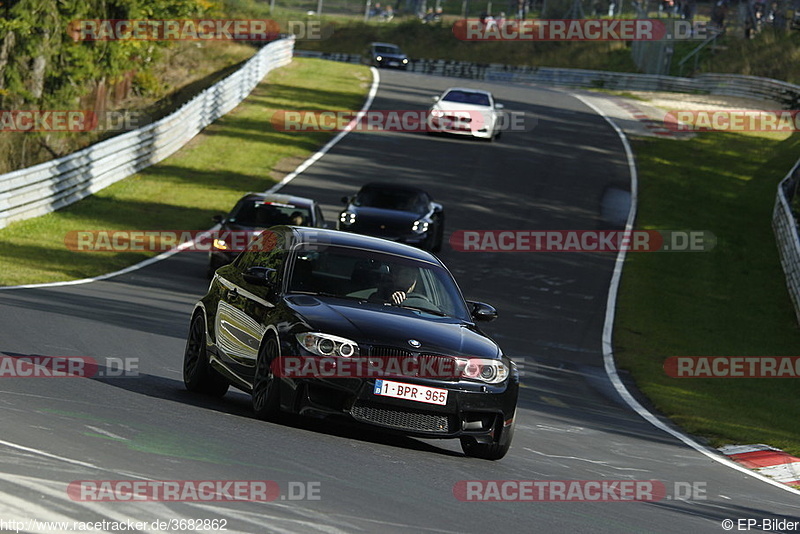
426,310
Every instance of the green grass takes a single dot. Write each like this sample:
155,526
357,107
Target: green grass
731,301
236,154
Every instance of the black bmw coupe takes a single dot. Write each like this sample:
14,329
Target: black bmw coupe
327,323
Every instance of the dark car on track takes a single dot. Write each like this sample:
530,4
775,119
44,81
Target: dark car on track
255,212
385,55
395,212
305,295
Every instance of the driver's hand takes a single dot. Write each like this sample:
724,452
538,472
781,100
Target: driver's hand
398,297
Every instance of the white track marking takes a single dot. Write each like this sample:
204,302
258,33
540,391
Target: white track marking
376,80
608,327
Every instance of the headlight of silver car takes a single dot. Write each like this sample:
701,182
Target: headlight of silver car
327,344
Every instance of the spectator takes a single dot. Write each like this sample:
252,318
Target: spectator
718,13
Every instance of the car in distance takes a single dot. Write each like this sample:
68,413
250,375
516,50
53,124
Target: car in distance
385,55
395,212
463,111
306,293
255,212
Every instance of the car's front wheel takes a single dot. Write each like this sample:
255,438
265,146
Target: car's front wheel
198,375
490,451
266,393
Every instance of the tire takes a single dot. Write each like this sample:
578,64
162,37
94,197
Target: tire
266,386
198,375
490,451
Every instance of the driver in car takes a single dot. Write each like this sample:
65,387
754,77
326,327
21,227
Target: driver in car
403,281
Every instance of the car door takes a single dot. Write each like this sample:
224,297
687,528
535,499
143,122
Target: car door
246,309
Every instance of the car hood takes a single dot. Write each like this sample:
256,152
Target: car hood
364,214
376,324
458,106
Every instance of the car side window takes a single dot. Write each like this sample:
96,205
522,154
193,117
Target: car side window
266,250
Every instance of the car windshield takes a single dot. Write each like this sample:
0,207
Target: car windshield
371,276
467,97
261,214
392,199
387,50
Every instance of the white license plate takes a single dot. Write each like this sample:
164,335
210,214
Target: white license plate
394,63
411,392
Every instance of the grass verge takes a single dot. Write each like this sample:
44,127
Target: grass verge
731,301
238,153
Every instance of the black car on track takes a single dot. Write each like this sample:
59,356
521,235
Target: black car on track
328,323
385,55
255,212
395,212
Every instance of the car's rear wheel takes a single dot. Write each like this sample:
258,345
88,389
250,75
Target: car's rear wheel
266,391
490,451
198,375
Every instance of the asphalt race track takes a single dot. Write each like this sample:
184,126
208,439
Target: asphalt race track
571,423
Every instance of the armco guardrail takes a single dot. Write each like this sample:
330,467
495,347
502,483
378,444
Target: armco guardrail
54,184
782,93
784,225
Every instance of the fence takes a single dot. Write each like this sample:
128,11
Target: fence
46,187
784,225
781,93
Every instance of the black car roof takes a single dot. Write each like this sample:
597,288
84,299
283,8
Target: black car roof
282,199
322,237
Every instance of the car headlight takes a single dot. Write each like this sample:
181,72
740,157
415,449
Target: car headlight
405,60
378,58
419,227
220,244
347,218
327,345
483,370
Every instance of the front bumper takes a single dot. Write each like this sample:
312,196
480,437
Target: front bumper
472,409
456,126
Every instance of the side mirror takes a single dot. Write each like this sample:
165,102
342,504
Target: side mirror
482,312
259,276
345,200
437,208
218,218
435,98
498,105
